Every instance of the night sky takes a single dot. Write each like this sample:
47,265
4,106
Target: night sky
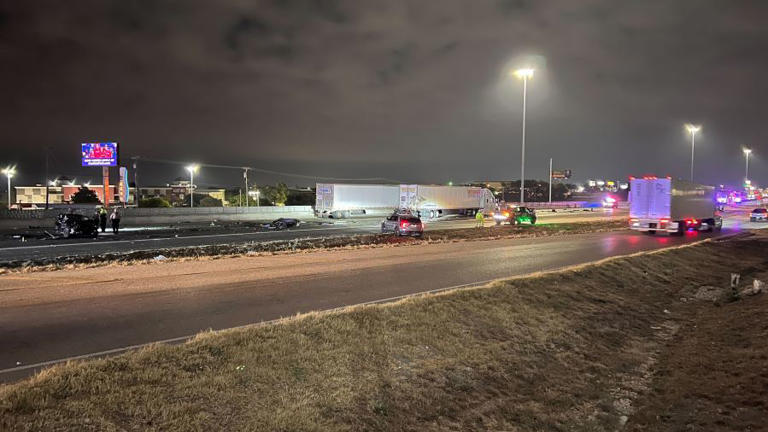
413,91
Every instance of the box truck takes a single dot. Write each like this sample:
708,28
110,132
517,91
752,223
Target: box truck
337,200
672,206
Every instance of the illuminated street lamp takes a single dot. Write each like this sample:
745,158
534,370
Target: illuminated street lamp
747,152
9,173
192,170
256,193
525,74
692,129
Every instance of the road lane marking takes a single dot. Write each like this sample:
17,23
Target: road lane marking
373,226
169,238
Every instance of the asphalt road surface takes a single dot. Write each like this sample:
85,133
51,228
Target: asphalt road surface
14,249
49,316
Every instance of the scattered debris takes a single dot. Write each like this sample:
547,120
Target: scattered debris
709,293
756,288
160,258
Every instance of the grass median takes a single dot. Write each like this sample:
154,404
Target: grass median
567,350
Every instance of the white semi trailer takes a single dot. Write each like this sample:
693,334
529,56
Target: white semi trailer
672,206
428,201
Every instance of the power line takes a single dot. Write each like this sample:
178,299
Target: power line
266,171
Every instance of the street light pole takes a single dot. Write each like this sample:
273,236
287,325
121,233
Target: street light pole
191,189
746,156
523,74
550,180
192,169
692,129
9,173
247,194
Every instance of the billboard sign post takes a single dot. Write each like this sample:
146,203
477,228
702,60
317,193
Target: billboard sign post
100,154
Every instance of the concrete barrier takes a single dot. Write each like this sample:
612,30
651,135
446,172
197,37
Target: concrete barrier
18,219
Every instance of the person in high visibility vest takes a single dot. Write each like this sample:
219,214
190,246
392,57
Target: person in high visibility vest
102,218
479,220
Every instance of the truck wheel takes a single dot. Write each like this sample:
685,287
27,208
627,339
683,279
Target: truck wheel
397,232
710,225
533,221
383,229
431,214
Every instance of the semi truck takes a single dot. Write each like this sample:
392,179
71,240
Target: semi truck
339,200
662,204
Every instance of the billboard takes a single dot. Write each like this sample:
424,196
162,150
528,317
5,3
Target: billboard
99,154
562,174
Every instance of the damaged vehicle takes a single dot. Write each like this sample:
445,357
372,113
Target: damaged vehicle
76,225
282,223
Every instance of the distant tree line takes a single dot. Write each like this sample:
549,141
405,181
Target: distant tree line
536,191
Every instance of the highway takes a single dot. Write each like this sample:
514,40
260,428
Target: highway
149,239
48,316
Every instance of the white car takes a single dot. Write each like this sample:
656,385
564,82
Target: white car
758,215
403,224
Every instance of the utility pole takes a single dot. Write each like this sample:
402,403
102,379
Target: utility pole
247,196
550,180
136,193
47,180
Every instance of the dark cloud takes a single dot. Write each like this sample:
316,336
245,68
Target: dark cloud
412,90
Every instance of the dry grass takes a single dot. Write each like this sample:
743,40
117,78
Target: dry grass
558,351
715,376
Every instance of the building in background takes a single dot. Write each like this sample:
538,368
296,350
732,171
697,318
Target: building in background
178,193
61,195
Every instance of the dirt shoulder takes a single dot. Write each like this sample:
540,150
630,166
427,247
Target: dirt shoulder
570,350
713,376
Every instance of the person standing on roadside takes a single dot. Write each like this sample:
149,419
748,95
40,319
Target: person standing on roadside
479,220
115,219
103,218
